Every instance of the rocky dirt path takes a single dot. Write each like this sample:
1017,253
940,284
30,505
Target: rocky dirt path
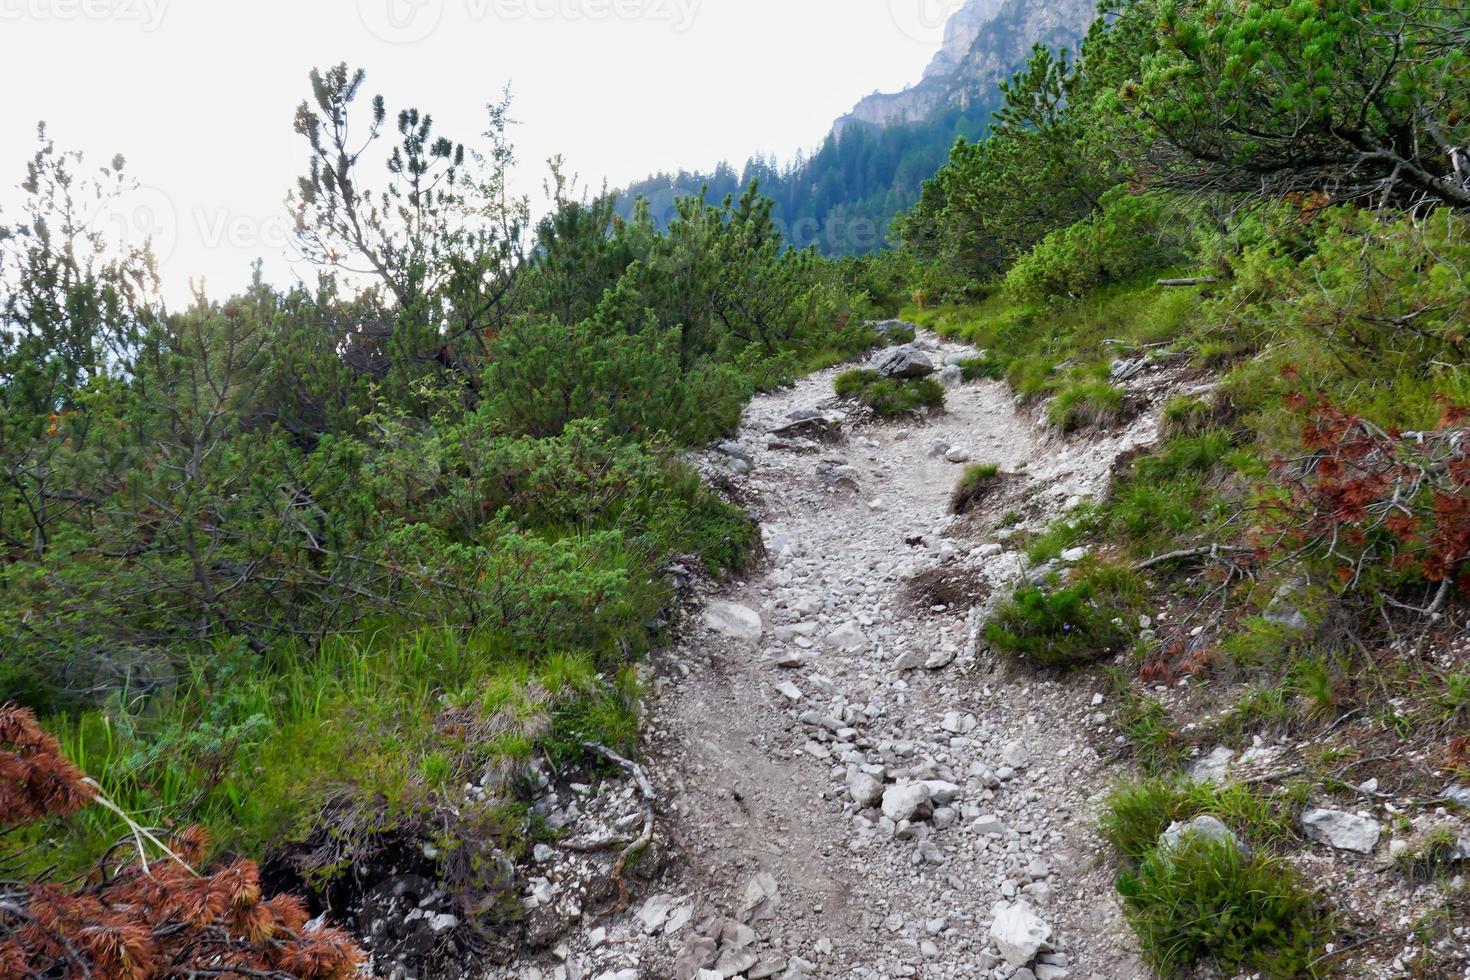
849,785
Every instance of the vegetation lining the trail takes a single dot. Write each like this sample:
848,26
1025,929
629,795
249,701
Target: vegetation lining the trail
1199,899
153,913
1204,901
300,565
1060,626
1297,534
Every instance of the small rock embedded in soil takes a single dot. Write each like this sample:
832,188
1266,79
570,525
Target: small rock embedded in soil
1343,831
1200,828
1019,933
734,620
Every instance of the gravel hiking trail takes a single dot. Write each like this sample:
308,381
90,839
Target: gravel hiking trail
849,784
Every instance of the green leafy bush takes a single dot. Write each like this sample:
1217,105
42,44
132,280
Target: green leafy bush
583,479
986,368
1145,511
1137,813
851,384
544,375
721,533
1144,722
1185,415
1183,456
1131,234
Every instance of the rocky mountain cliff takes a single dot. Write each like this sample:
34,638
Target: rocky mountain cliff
985,42
842,197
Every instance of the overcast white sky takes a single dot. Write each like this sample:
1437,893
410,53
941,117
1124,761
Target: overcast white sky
199,94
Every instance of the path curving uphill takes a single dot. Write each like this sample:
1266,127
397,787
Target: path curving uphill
849,785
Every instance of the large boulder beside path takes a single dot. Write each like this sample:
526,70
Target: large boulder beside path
906,362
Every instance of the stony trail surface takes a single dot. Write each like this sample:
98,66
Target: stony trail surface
849,784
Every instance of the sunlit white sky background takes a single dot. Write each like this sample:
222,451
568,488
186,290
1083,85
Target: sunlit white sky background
199,94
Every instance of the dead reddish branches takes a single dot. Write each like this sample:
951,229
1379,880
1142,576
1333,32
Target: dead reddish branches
139,921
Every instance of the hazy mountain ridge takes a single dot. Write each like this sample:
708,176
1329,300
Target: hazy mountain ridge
872,163
985,42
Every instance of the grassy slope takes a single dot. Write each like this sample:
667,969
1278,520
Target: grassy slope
1338,306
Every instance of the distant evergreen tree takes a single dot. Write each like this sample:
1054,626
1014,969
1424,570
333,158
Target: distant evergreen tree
842,198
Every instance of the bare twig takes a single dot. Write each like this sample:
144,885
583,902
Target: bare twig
1212,551
139,832
1193,281
1272,777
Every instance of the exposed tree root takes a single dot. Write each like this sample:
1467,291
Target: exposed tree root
645,787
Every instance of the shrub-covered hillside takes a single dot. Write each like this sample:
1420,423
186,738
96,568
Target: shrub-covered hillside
290,565
1267,205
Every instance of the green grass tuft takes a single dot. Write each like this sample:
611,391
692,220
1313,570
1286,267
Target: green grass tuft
1068,626
890,397
1137,813
1204,901
984,368
1087,405
978,480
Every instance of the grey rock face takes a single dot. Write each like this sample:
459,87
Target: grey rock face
1016,755
1283,611
984,43
903,363
735,621
941,793
1125,369
841,477
907,802
1212,768
864,789
848,638
655,912
736,451
1019,933
1200,828
1343,831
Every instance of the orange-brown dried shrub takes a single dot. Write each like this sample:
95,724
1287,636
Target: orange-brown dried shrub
141,920
1366,497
